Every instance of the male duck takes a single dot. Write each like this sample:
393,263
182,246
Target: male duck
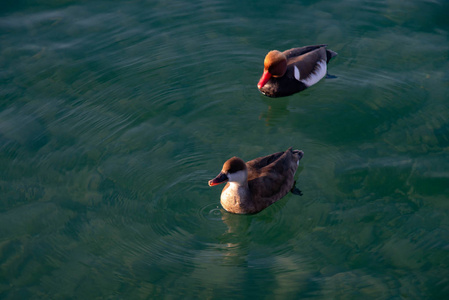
258,183
294,70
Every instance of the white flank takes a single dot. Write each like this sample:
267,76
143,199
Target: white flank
317,75
297,73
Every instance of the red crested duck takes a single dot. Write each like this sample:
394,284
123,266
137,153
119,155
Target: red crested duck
258,183
294,70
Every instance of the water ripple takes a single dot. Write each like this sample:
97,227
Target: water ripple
113,118
211,212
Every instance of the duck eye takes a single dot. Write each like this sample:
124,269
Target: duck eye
279,68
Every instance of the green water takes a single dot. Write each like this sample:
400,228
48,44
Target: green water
115,114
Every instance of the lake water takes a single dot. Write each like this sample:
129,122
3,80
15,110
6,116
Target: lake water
115,114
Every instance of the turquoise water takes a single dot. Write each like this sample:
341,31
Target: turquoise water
115,114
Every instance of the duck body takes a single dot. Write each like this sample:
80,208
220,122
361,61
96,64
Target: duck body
294,70
258,183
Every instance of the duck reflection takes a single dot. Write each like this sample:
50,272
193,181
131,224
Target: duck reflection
276,110
237,238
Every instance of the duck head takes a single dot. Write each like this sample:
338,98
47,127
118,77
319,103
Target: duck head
275,64
234,170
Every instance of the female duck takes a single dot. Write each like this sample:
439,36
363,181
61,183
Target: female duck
258,183
294,70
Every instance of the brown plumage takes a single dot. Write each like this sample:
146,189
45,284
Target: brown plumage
258,183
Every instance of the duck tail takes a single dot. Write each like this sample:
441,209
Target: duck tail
330,54
300,153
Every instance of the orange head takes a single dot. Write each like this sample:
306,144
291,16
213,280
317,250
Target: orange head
275,64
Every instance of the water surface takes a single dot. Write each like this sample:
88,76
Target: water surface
114,115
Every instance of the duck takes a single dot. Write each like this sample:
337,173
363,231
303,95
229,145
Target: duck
294,70
254,185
